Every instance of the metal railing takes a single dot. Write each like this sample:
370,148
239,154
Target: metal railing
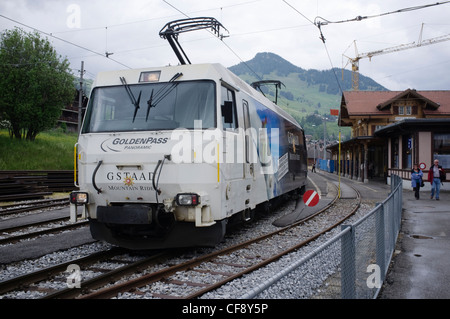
350,265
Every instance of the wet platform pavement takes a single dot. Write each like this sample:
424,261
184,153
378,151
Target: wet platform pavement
420,268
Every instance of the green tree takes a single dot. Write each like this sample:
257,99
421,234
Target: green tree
35,83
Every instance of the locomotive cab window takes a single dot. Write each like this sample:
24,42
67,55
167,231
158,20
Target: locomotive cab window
151,106
228,108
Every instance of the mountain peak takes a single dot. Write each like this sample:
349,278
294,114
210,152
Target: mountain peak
265,63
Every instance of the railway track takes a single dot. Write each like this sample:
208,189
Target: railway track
215,269
144,278
11,234
236,261
22,207
53,281
29,231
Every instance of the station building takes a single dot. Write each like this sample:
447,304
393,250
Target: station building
392,130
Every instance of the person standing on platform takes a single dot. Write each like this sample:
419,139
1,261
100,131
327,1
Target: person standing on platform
416,180
436,176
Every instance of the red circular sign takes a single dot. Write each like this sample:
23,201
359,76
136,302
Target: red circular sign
422,166
311,198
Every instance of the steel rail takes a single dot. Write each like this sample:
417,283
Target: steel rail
50,230
105,278
36,205
42,274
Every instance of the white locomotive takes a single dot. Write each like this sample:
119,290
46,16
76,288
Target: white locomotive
166,156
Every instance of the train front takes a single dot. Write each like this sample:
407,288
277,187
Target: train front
141,185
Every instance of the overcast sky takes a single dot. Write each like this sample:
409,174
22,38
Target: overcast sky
130,30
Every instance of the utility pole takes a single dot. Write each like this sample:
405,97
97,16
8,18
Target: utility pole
80,97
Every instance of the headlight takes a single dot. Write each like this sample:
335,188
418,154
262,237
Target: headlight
187,199
79,198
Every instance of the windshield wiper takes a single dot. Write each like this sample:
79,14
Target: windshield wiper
165,90
149,103
131,96
162,93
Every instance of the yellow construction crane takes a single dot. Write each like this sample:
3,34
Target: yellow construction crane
355,61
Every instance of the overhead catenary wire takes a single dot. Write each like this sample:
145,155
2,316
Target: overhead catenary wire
125,49
246,64
224,43
221,39
63,40
323,40
151,19
360,18
319,24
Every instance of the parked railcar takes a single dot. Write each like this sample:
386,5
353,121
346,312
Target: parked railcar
166,156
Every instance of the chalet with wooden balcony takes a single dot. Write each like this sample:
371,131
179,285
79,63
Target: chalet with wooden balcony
392,130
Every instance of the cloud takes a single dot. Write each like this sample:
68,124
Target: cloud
129,30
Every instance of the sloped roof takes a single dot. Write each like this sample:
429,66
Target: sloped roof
409,94
440,97
365,102
377,102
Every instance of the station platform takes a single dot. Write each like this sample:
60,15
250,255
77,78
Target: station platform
420,266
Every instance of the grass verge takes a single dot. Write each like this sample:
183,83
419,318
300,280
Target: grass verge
52,150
